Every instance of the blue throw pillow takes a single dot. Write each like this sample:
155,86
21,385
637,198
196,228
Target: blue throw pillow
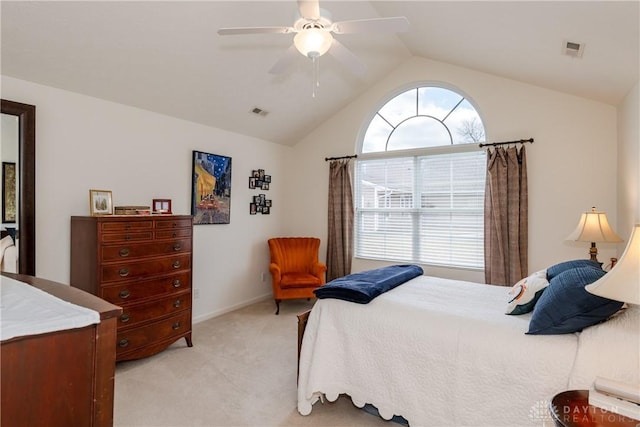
554,270
566,306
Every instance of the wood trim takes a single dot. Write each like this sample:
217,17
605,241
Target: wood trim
303,318
104,368
26,183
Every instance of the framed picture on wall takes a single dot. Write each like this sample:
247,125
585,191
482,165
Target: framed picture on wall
211,188
100,202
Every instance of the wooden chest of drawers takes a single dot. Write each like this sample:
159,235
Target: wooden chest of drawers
143,264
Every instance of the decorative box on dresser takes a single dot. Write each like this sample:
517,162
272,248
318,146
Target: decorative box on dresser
143,264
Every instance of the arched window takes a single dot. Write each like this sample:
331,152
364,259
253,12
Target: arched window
420,180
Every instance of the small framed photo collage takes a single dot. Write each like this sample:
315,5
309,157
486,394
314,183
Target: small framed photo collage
258,179
259,203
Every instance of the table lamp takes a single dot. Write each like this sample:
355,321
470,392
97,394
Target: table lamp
622,283
594,227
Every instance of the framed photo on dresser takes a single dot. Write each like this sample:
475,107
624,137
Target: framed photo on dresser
100,202
162,206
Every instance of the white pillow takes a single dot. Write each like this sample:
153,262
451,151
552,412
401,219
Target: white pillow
8,255
522,297
4,244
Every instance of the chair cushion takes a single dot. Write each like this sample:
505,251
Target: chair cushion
299,280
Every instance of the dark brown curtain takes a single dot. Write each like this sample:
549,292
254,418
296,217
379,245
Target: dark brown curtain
340,227
506,216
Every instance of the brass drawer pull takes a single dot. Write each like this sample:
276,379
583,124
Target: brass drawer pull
124,318
175,235
124,252
176,326
176,283
177,247
124,272
175,224
127,237
127,226
177,303
124,294
123,342
176,264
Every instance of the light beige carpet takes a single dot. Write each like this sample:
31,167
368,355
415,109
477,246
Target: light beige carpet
241,371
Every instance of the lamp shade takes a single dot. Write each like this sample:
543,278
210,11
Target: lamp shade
313,42
594,227
622,283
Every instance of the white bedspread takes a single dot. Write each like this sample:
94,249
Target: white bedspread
437,352
610,350
26,310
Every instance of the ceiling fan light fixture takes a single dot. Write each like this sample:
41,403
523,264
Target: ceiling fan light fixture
313,42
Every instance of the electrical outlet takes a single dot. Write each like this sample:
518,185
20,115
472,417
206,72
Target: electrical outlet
196,293
262,277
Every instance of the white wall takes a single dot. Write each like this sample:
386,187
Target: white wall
85,143
572,164
629,163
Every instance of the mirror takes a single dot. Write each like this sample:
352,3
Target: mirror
25,178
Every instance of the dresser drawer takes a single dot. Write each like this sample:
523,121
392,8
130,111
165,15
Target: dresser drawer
133,315
129,236
131,339
131,292
137,225
125,252
172,234
163,224
141,268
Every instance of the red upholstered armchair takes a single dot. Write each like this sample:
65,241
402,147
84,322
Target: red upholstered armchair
295,269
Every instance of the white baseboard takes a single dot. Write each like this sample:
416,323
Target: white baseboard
234,307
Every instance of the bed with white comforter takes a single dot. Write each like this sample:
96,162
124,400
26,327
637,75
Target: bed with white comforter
440,352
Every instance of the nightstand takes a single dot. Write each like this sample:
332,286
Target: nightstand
572,409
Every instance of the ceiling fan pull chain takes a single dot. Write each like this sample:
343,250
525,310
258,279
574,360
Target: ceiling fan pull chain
316,82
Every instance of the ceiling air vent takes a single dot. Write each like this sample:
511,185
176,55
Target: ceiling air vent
573,49
259,111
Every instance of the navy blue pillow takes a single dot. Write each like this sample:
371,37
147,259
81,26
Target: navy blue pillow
566,307
554,270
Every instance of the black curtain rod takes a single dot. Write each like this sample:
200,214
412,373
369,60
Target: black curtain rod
520,141
326,159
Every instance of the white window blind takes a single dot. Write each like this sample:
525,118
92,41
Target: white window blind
423,209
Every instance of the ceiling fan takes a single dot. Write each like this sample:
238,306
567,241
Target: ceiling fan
314,32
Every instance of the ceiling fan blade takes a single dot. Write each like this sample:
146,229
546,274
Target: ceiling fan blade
347,58
309,9
285,62
254,30
396,24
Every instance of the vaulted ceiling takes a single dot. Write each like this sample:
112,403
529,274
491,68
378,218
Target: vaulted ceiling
166,56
